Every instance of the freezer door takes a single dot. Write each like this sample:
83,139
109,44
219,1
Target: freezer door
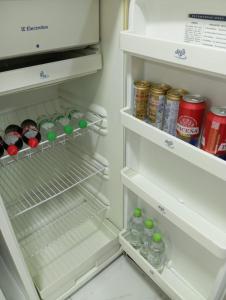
36,26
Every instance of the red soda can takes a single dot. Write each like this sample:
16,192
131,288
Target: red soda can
214,134
190,117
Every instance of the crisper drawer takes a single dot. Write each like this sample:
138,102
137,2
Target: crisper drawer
37,26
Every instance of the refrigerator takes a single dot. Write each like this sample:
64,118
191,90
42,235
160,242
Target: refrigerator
65,206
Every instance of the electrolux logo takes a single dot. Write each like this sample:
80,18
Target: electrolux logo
33,28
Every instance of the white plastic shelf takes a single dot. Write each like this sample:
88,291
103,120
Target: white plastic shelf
194,155
197,227
30,183
171,282
194,56
49,73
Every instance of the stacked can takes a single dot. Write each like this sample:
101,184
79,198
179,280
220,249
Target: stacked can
214,134
190,117
157,103
141,95
171,110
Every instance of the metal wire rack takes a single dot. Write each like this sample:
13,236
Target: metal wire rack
44,236
27,152
30,183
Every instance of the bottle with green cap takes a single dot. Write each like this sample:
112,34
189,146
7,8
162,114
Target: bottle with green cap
156,255
136,228
47,128
146,237
63,122
77,119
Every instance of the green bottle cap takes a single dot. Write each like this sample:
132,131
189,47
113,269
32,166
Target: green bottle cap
51,136
149,223
157,237
68,129
137,212
83,123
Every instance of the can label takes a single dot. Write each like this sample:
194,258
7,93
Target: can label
189,121
141,102
156,110
214,135
187,126
170,116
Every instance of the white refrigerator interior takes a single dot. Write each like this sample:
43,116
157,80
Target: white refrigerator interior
65,206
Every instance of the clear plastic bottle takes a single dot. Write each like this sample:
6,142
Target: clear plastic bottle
147,237
77,118
136,228
63,122
47,128
156,255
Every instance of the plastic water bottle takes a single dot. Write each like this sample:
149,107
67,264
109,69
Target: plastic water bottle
63,122
77,118
156,255
136,228
47,128
147,237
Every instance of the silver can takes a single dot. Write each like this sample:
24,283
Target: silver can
171,112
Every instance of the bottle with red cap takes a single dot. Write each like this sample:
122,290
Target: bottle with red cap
30,133
13,139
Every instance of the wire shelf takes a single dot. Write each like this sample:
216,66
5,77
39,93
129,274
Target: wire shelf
27,152
28,184
51,230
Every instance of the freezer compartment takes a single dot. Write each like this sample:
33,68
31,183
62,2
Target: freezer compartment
26,27
186,259
182,35
64,239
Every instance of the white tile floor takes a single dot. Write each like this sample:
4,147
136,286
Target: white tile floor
122,280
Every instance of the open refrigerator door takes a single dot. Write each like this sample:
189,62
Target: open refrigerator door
178,185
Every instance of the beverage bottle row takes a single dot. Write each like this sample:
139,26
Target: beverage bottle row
45,128
145,237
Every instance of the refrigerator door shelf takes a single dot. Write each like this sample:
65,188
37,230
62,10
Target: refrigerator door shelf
184,55
192,223
169,280
49,73
193,155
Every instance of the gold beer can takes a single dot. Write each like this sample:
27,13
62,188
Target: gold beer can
141,95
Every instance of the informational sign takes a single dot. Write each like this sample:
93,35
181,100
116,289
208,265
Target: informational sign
206,30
